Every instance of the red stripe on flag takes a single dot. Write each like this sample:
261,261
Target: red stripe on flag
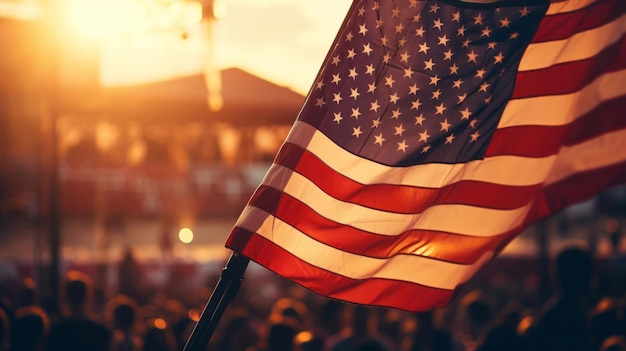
439,245
403,198
542,141
376,292
596,122
562,26
578,187
558,79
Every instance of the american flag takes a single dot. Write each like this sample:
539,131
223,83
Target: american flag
434,133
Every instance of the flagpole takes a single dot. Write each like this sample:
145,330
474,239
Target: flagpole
225,290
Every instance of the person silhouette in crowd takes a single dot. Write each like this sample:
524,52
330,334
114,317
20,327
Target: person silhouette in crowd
276,333
328,318
78,329
562,322
235,332
28,294
159,336
130,276
5,330
427,336
475,317
504,334
502,338
617,260
280,337
360,332
122,314
30,329
294,310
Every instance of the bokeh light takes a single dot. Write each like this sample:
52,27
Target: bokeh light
185,235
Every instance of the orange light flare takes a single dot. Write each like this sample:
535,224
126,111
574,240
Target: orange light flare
97,19
107,19
160,323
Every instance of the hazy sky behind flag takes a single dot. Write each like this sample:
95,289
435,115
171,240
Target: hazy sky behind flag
284,41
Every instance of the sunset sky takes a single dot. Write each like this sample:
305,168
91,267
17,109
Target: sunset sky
283,41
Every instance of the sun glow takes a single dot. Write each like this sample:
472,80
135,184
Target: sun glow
143,41
100,19
104,19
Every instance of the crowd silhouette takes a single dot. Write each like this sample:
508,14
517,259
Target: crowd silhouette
585,312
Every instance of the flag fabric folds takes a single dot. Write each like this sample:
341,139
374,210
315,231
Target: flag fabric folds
434,133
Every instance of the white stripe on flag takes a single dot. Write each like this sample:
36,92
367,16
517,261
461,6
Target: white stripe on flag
585,156
579,46
503,170
563,109
458,219
431,272
568,6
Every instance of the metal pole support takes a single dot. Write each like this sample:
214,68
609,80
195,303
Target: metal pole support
225,290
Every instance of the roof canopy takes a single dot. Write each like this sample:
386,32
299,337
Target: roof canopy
248,100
